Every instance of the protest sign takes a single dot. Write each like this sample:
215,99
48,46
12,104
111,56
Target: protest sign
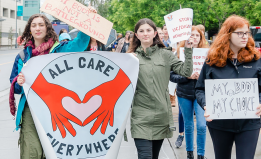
179,24
198,57
80,101
80,17
232,98
172,86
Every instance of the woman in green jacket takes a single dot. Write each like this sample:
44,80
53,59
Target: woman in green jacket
151,117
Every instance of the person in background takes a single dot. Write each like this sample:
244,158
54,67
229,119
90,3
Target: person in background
63,31
124,43
151,117
119,36
160,33
166,39
232,56
188,102
202,29
130,40
95,45
65,37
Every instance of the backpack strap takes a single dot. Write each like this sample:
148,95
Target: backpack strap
22,55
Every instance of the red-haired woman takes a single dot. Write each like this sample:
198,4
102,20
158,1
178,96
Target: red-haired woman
232,50
188,103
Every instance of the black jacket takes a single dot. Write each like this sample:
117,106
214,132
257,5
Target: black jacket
185,87
241,70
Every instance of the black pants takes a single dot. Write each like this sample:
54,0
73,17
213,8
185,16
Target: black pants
245,143
148,149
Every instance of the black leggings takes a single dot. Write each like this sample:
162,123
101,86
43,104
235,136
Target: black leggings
245,143
148,149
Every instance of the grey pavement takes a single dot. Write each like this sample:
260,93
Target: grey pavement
7,58
8,137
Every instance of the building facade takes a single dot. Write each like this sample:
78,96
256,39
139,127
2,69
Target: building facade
30,7
8,22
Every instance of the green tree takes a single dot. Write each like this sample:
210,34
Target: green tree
211,13
126,13
11,36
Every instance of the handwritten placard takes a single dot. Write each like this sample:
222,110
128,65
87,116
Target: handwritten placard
172,87
179,24
232,98
80,17
198,57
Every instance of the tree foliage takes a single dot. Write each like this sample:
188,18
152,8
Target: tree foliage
211,13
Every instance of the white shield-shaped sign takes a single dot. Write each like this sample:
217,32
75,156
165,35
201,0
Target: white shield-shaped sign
80,101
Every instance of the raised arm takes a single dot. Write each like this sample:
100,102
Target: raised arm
180,67
78,44
177,78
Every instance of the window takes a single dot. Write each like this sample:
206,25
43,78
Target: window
5,12
12,14
30,3
25,18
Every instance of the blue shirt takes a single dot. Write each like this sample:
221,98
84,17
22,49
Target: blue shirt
167,43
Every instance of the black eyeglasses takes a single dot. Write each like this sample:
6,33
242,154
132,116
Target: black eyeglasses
241,34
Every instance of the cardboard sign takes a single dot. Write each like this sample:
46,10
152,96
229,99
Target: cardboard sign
179,24
80,17
199,56
232,98
172,87
80,102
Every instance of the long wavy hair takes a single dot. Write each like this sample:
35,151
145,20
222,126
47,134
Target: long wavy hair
135,43
220,50
202,43
50,33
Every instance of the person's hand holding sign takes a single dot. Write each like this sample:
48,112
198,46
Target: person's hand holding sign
189,43
52,95
20,79
110,93
258,112
206,115
91,8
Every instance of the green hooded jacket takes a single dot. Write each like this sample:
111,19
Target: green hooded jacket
151,116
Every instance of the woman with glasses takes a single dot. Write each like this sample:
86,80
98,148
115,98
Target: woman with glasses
231,52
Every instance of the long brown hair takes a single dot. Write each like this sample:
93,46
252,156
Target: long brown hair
50,33
62,31
220,50
135,43
99,44
202,43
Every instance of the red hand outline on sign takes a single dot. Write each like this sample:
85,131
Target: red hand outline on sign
52,95
110,93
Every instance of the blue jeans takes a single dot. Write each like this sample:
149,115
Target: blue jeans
188,107
181,121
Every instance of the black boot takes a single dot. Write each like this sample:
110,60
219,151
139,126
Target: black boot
201,157
190,155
